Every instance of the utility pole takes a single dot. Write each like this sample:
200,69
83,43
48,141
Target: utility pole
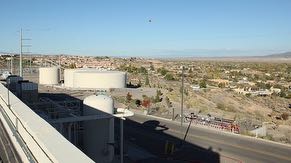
182,97
21,52
20,56
191,117
30,60
8,64
60,67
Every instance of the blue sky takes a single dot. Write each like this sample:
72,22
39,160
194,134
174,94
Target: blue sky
122,27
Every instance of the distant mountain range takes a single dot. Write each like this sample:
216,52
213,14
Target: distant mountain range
280,55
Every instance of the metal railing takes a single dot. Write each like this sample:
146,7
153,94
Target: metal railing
17,135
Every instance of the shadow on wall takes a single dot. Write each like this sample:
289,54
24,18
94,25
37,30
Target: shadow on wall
151,136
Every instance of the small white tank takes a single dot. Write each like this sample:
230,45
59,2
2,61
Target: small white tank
102,103
49,75
98,138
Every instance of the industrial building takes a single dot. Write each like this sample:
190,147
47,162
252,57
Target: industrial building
88,124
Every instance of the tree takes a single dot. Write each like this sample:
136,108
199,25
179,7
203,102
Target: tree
190,71
162,71
147,82
169,77
283,94
142,70
137,103
288,70
72,66
157,97
248,94
285,116
221,85
168,102
202,84
146,103
128,97
152,68
139,83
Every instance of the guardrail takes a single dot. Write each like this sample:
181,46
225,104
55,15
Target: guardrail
15,132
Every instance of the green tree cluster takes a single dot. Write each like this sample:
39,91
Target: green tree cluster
202,84
162,71
169,76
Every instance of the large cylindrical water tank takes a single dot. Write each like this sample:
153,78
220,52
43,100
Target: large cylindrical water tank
49,75
99,134
99,79
69,77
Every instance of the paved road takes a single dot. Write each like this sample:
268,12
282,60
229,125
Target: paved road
229,147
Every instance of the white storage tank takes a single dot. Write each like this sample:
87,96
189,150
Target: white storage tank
69,77
102,103
49,75
99,134
99,79
94,79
